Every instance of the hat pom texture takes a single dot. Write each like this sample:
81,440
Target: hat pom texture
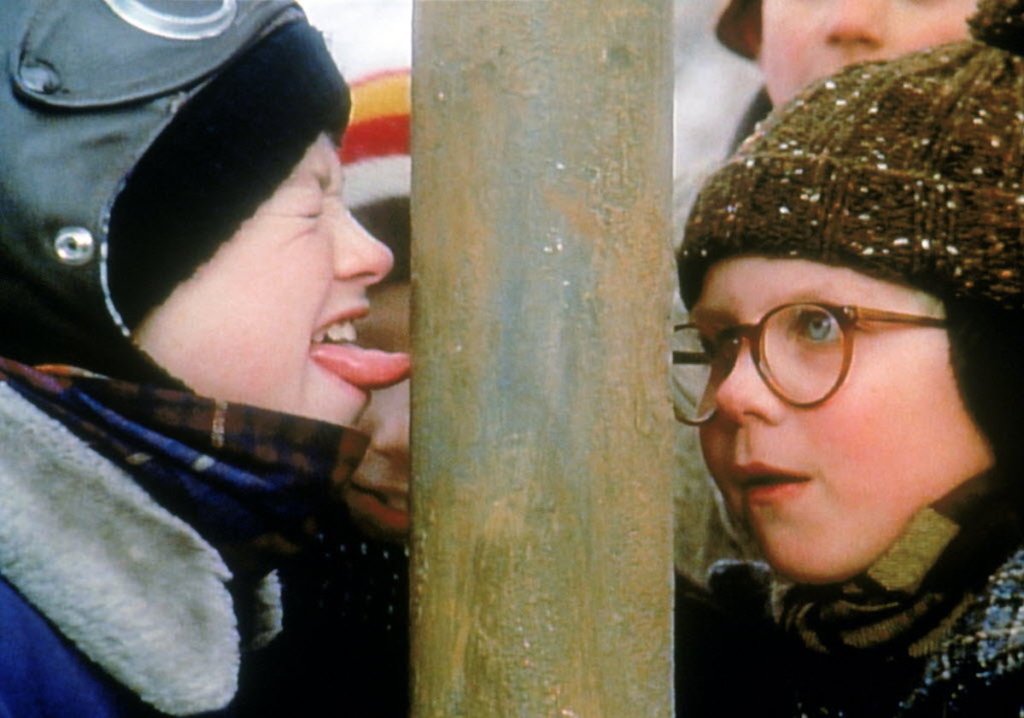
911,171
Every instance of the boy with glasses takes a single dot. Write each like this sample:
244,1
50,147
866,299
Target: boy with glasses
857,317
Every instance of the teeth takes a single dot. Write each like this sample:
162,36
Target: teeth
337,333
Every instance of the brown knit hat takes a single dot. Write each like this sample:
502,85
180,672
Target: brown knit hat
911,170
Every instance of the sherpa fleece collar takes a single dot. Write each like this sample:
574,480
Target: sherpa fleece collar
136,589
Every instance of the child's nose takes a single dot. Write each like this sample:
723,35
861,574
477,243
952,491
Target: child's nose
856,23
358,254
743,394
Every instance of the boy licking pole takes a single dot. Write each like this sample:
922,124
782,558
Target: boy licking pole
179,286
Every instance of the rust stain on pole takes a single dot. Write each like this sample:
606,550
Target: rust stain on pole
542,442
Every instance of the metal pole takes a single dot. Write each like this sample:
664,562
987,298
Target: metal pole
542,441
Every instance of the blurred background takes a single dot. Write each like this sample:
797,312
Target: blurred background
712,90
712,85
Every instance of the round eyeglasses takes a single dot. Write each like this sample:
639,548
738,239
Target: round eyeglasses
801,351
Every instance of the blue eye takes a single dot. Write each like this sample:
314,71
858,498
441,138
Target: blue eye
815,326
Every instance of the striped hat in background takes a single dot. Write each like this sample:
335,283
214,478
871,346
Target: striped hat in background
375,150
371,41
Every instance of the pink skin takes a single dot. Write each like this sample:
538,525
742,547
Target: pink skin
827,490
378,492
805,40
248,325
364,368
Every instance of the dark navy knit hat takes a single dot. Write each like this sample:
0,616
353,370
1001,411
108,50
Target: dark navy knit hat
225,152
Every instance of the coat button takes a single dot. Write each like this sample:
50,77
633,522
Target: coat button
39,78
74,246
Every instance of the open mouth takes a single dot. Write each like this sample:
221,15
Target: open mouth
767,480
770,488
334,349
376,514
343,332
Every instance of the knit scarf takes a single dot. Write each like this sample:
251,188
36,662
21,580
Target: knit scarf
233,472
906,602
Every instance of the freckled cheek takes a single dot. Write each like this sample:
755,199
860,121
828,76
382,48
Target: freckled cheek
845,431
263,350
862,449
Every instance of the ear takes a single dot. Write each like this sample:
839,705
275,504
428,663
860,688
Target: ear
739,27
750,29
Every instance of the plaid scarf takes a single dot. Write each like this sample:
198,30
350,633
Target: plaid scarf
233,472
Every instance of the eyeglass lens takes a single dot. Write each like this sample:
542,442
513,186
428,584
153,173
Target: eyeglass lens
799,350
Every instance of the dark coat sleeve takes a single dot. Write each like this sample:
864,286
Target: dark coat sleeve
728,658
42,675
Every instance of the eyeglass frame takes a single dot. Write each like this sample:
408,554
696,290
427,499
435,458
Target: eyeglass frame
848,316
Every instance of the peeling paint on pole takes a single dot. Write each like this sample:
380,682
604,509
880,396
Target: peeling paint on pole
542,430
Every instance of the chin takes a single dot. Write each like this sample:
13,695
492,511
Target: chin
338,418
810,570
335,402
328,406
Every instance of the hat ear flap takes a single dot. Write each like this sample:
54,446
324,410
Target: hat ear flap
986,344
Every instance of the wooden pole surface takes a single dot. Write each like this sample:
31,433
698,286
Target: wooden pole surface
542,429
